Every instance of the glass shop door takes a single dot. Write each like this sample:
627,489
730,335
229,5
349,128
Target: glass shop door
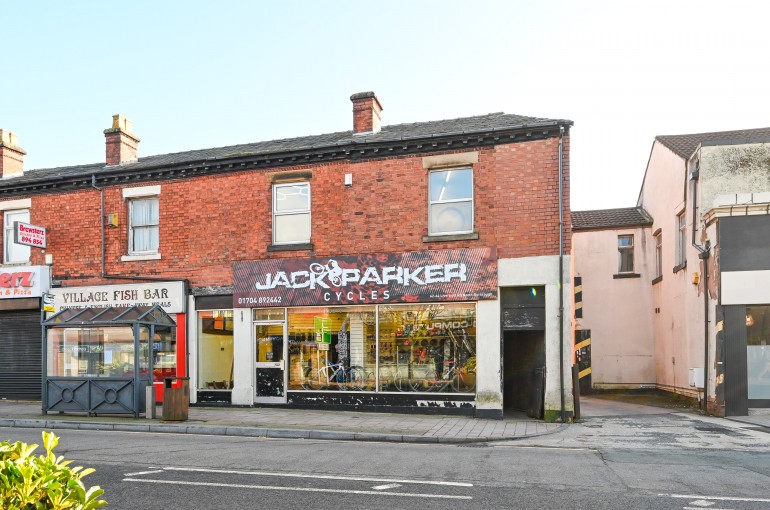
270,365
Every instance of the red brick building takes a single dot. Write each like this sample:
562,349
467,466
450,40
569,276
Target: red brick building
405,266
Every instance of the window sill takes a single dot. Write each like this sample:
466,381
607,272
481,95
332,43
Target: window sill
680,267
450,237
657,279
290,247
14,264
626,275
134,258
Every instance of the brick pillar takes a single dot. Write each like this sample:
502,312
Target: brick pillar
366,112
121,142
11,155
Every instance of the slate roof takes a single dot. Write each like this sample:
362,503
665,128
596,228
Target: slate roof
685,145
610,218
389,134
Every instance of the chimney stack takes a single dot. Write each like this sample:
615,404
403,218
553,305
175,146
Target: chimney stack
11,155
121,142
366,113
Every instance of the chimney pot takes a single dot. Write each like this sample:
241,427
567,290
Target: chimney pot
366,113
11,155
121,142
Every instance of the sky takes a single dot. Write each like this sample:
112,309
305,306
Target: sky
196,74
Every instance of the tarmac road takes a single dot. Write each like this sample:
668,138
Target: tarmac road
646,461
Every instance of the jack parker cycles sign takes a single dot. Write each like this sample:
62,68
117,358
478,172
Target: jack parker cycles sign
430,276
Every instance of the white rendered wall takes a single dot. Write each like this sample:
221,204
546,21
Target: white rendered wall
679,325
618,311
537,271
192,348
244,357
489,394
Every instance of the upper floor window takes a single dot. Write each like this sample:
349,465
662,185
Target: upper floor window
14,253
451,202
626,254
659,254
681,238
291,213
144,225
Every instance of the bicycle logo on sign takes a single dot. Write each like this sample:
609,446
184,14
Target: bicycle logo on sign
332,271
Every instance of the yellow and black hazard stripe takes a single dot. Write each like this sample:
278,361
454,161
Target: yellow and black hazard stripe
578,283
583,353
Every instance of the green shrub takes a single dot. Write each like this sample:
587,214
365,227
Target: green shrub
29,482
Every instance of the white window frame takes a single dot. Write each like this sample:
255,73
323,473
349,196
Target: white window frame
622,249
130,194
9,218
292,212
431,203
658,254
681,238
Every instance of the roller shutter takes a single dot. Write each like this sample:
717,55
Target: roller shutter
21,356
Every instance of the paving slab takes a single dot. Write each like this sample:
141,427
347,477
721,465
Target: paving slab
291,424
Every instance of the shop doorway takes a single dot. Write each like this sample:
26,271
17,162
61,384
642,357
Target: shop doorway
523,325
524,372
270,365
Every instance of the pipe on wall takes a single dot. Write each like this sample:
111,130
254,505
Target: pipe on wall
704,252
561,273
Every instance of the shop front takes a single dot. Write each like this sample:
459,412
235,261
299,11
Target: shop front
21,288
170,353
381,332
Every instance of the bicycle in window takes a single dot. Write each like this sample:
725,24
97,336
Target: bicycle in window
334,375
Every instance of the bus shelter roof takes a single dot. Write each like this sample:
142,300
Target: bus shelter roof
111,316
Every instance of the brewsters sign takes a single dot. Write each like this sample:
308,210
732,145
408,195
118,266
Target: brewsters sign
429,276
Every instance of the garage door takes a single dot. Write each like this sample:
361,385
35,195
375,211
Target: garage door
21,357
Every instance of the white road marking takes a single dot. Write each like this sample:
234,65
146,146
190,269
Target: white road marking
386,487
321,477
559,448
715,498
144,473
702,503
297,489
700,507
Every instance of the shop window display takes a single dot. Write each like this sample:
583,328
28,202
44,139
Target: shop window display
758,351
215,354
422,348
428,348
332,348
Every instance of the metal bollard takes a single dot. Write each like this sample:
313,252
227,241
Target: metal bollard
149,402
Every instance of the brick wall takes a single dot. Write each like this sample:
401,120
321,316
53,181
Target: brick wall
207,223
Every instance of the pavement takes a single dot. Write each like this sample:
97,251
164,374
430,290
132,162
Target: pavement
334,425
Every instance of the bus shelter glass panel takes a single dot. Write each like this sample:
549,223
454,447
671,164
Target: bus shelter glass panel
95,352
332,348
164,353
428,348
215,350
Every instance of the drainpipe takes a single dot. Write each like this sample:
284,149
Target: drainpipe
101,195
561,272
704,252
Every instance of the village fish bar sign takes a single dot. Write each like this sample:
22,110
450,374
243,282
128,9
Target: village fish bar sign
169,295
414,277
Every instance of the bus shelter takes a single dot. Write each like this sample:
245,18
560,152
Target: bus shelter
101,360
